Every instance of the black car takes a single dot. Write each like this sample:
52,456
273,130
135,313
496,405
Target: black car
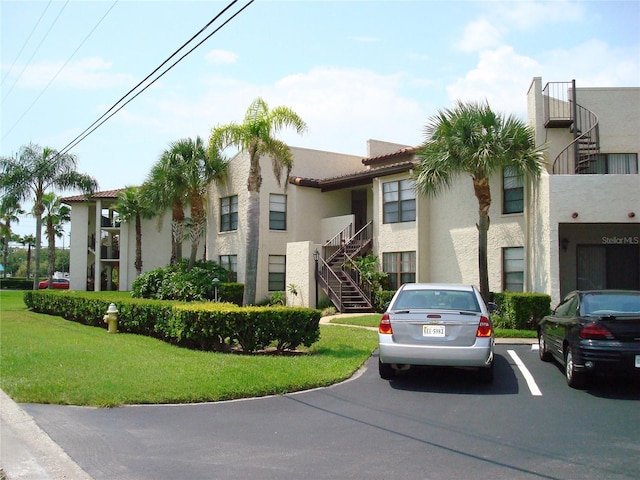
593,331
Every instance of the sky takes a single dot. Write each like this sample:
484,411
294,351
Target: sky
353,70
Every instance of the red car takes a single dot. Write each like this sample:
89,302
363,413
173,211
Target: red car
58,284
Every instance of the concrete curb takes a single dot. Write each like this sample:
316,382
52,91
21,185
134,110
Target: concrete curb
27,452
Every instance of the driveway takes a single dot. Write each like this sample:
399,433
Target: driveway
435,424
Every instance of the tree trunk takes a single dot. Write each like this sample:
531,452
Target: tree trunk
253,243
483,194
29,260
138,262
36,270
51,250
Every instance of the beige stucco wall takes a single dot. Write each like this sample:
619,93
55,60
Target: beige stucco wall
306,208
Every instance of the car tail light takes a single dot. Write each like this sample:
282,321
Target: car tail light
595,331
385,325
484,328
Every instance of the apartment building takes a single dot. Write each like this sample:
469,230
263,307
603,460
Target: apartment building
577,226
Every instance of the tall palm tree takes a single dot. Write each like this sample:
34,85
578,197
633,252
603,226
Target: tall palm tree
255,137
162,190
28,241
9,211
132,206
56,214
181,178
471,139
35,171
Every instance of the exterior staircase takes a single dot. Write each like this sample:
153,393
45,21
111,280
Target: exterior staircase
561,110
338,277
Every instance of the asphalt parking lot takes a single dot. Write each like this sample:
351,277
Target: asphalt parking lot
430,424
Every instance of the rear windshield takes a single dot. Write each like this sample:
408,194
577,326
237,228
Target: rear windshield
436,299
611,303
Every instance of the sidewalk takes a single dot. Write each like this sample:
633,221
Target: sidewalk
27,452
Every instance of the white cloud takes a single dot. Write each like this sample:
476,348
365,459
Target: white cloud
501,77
343,108
88,73
479,35
527,14
218,57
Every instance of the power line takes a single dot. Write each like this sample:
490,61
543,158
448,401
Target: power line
60,69
26,41
35,51
119,105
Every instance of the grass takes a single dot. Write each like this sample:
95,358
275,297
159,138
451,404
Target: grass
46,359
372,320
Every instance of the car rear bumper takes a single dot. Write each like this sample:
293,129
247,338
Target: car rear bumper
614,358
480,354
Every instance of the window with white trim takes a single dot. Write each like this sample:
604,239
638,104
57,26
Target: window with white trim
230,263
613,164
399,201
277,212
512,191
229,213
513,269
277,272
400,268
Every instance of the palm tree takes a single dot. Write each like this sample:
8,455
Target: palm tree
132,205
255,137
9,211
181,177
34,172
56,215
29,241
471,139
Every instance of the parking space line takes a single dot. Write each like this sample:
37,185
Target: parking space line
531,383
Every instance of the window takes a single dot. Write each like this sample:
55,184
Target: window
229,213
512,191
613,163
513,269
400,267
277,272
277,212
230,262
399,200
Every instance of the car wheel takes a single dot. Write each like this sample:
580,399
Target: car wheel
386,370
545,356
574,379
486,374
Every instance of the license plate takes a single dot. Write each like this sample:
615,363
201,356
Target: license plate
637,361
438,331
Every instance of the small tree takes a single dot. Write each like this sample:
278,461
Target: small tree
472,140
56,215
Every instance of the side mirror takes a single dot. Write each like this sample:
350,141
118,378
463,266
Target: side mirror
492,307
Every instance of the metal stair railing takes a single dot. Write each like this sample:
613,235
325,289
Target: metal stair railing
340,252
578,155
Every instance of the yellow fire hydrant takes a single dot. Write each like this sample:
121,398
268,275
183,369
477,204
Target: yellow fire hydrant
111,318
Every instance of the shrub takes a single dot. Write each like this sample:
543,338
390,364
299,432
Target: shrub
205,325
175,282
16,283
521,311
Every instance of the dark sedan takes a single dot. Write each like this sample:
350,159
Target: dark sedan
595,331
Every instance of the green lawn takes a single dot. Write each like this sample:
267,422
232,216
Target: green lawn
46,359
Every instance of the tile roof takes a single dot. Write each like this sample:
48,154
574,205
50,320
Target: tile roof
364,177
103,194
403,152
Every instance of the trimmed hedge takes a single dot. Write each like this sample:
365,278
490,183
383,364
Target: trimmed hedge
16,283
209,326
521,311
